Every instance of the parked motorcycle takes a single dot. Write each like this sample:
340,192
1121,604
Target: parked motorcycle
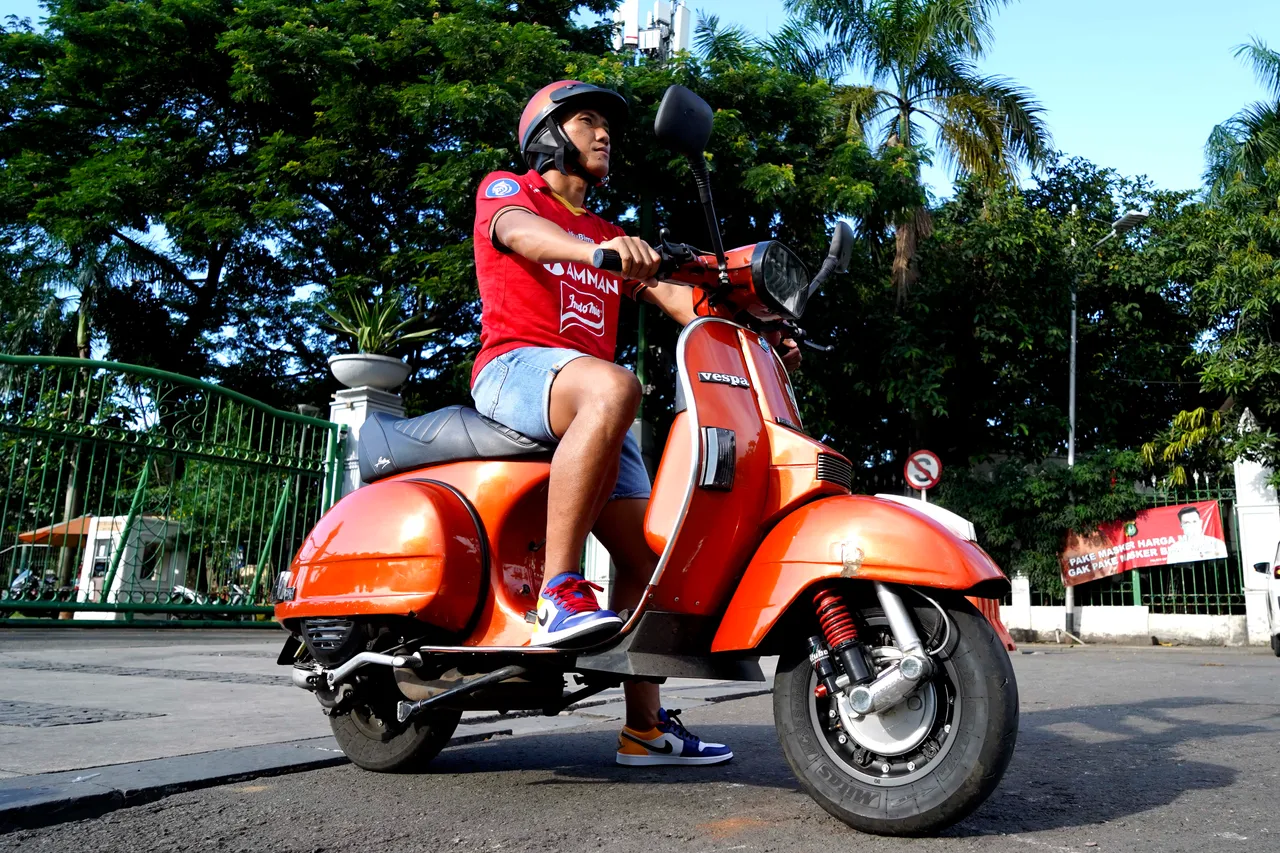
413,598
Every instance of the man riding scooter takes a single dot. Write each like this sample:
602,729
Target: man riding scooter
545,368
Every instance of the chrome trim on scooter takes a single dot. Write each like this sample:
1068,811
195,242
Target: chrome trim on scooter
695,458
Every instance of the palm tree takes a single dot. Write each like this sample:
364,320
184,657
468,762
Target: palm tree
1239,148
919,57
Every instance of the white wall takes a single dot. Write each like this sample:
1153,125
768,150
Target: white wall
1258,517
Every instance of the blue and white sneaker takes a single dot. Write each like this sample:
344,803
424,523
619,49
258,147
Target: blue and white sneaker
669,743
568,610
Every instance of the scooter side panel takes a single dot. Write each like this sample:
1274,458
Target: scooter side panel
510,496
720,529
392,548
849,536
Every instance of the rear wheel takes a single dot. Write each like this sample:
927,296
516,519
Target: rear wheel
924,764
1275,644
370,735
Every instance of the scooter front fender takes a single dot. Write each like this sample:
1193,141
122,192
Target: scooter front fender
855,537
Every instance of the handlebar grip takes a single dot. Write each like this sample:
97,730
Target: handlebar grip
607,259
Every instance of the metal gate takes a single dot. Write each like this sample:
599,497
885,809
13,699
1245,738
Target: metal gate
132,494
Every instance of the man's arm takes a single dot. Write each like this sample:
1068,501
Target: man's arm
675,300
543,242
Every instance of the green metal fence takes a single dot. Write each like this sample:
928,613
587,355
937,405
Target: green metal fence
128,493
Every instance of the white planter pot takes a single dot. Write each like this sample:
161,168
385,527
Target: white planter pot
356,370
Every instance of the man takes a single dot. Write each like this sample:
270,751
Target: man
1193,544
545,368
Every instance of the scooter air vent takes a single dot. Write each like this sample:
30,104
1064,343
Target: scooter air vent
328,639
835,469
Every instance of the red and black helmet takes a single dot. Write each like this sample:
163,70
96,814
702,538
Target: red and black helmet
543,144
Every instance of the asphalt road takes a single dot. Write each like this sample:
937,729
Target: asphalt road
1126,750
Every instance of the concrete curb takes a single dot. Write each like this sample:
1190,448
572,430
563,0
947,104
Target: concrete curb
44,799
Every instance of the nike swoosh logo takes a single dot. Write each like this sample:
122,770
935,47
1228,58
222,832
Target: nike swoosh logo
665,749
542,619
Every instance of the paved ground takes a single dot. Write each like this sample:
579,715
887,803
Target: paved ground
74,699
1128,750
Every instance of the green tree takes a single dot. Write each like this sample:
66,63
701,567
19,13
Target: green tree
1239,149
919,59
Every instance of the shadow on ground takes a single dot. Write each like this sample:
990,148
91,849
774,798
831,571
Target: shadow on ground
1073,766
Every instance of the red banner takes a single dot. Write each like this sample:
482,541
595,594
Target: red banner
1157,537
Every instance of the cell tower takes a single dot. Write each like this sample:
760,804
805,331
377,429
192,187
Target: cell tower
663,31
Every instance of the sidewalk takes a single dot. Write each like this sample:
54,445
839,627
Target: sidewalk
94,718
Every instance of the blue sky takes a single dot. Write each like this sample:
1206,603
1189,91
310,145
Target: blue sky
1136,85
1132,84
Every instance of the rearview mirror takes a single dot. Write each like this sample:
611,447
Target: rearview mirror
841,246
1262,568
683,123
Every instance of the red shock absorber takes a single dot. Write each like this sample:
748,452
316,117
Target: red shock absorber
835,619
842,635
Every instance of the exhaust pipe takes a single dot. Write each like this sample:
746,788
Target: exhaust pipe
312,679
305,677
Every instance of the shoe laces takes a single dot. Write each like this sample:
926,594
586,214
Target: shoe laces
675,727
575,596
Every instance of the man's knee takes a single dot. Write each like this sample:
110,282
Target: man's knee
614,393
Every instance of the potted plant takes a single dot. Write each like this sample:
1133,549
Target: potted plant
375,328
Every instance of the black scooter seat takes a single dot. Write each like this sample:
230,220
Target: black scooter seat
391,445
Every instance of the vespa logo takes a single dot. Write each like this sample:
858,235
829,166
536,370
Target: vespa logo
382,462
724,379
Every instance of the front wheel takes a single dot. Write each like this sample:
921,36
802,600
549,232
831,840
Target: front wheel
924,764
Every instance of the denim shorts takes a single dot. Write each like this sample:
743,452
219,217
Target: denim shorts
514,389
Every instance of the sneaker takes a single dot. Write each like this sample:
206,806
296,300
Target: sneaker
669,743
568,610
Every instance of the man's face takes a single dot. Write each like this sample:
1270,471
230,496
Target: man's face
588,130
1192,525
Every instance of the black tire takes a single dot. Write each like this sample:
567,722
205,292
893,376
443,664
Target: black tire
1275,644
373,739
972,733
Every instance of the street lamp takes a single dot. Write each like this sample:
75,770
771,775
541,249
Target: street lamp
1131,220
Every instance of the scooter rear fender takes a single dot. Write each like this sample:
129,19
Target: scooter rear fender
855,537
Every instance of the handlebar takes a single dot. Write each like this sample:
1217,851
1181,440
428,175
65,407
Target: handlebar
673,256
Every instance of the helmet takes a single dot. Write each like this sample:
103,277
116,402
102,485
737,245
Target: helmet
542,142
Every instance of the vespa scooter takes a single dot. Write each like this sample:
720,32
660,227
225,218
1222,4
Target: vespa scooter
412,599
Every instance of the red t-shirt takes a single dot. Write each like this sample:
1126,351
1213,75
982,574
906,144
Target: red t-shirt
523,304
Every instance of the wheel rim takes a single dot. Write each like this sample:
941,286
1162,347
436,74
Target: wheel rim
372,724
920,737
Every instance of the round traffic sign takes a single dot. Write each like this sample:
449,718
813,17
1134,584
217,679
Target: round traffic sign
923,470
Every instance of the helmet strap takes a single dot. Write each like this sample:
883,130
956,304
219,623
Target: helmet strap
561,153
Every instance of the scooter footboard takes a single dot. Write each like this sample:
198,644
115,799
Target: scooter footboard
854,537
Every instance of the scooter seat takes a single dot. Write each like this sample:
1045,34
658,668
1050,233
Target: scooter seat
390,445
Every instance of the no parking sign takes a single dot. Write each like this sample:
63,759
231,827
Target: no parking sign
923,470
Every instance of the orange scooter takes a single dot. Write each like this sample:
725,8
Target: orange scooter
412,600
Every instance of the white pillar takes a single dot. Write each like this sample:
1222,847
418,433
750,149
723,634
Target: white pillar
351,407
1258,520
597,567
